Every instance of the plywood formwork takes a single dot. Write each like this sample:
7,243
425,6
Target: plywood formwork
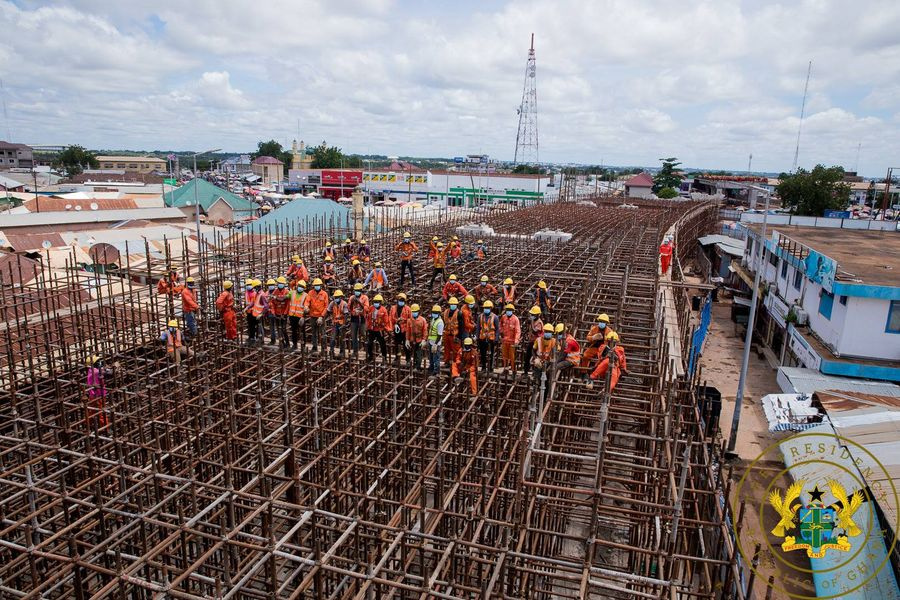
258,473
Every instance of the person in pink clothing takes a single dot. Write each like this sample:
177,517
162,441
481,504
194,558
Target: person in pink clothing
95,410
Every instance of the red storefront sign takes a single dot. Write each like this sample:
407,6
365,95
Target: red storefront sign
341,178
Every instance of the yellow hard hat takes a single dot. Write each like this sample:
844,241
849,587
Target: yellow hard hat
434,238
542,285
480,242
436,308
92,359
317,281
407,234
453,277
281,279
487,304
560,328
302,283
455,238
440,244
508,281
453,301
248,281
484,278
613,336
338,294
355,262
227,285
548,327
603,317
467,341
270,281
377,263
377,298
470,299
296,258
509,307
357,286
328,259
173,323
401,296
363,242
327,244
348,241
257,282
414,308
189,280
534,310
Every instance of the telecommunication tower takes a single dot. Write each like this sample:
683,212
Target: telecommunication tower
527,136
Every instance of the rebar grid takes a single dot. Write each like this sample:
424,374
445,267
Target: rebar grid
259,473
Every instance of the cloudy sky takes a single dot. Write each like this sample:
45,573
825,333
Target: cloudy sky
619,81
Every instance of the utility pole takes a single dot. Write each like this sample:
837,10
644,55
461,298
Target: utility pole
527,134
802,112
887,193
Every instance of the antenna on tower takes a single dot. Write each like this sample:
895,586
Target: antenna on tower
527,135
802,112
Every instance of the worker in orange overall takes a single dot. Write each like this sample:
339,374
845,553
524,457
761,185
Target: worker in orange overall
542,298
469,318
416,337
259,310
484,290
328,252
612,354
189,307
432,247
297,313
455,248
466,361
378,323
172,338
451,328
479,250
544,347
377,278
453,288
439,264
296,271
399,315
407,249
508,291
316,309
95,403
170,284
535,328
665,255
488,332
510,335
340,312
347,250
596,337
328,272
568,345
225,306
280,305
355,273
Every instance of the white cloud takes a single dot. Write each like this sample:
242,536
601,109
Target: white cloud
214,88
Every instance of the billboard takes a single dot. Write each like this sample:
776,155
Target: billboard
821,269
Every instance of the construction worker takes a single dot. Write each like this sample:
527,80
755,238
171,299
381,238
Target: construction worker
439,264
400,314
316,308
259,310
488,332
359,306
510,335
484,290
270,319
347,250
189,307
249,301
612,352
378,323
170,284
225,306
542,298
328,252
279,307
95,409
340,312
453,288
297,313
435,339
595,340
297,271
479,251
416,337
466,361
569,347
363,252
377,279
355,273
407,249
172,338
544,346
451,328
665,255
328,272
508,291
432,247
455,248
535,328
469,318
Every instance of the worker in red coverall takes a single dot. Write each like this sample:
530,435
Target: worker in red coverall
453,288
280,304
614,353
665,255
466,361
225,306
170,284
190,307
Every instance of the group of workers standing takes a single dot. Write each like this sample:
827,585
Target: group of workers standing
461,331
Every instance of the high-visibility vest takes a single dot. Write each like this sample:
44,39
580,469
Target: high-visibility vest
479,254
451,322
328,271
328,253
173,341
537,329
487,327
338,312
433,329
544,348
440,259
259,304
406,250
573,354
509,295
378,276
249,299
298,299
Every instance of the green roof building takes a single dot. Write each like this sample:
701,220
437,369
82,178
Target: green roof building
220,206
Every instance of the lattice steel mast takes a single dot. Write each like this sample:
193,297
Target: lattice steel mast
527,135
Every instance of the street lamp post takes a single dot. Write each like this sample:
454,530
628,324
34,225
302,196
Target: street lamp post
196,194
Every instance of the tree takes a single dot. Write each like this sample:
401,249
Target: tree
331,157
528,169
74,159
275,150
811,193
667,193
667,176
